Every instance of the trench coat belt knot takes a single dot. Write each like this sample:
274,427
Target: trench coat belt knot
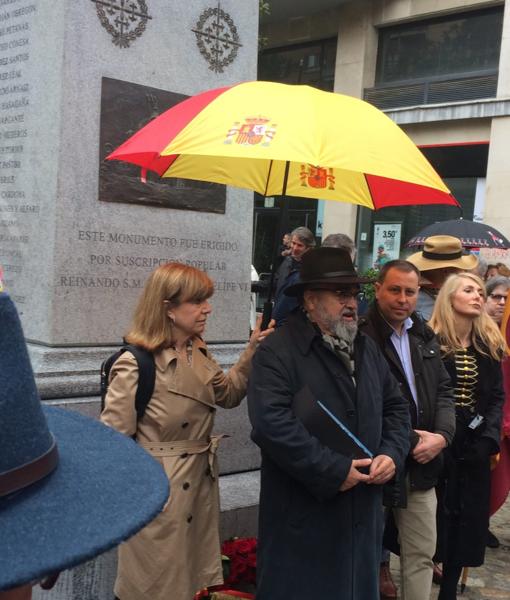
180,447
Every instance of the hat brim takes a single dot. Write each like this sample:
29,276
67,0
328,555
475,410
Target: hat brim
104,489
326,284
464,263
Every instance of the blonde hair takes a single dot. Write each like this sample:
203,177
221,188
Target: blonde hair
485,334
169,285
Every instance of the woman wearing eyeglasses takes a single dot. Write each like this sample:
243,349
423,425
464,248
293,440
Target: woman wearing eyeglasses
472,349
178,553
497,293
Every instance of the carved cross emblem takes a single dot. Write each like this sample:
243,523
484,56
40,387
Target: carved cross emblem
217,38
124,20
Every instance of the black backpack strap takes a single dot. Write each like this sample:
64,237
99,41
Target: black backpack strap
146,377
106,367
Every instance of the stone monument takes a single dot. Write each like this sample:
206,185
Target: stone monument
79,236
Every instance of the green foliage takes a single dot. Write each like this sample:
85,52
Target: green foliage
264,10
264,7
369,288
225,563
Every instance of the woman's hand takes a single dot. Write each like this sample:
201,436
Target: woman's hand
257,335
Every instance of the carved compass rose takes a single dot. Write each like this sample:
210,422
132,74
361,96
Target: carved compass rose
217,38
124,20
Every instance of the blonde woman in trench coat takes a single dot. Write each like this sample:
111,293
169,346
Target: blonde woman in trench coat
179,552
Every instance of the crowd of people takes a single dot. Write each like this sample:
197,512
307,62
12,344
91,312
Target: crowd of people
436,322
376,432
417,380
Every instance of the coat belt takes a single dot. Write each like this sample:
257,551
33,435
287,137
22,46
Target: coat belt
184,448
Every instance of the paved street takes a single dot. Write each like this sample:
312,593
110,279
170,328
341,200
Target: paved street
492,580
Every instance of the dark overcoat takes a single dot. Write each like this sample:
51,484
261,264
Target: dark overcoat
288,274
315,541
464,489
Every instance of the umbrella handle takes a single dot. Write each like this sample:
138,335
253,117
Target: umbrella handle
282,225
266,314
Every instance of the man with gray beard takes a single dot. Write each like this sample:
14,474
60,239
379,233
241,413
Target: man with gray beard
320,518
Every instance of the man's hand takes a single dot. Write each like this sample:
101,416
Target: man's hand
382,469
429,446
354,476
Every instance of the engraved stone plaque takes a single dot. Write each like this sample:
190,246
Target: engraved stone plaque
125,108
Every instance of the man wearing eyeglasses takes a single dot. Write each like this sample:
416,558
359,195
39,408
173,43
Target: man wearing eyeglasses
413,355
320,520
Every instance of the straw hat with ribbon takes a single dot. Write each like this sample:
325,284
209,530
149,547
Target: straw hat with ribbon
441,251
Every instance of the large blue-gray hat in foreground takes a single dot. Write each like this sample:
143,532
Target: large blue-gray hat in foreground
70,487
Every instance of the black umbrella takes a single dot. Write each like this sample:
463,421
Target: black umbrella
471,234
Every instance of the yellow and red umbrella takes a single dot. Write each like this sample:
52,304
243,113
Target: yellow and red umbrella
279,139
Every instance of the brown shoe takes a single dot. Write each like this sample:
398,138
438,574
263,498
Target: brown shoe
387,588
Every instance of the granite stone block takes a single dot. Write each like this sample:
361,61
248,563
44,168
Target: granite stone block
74,265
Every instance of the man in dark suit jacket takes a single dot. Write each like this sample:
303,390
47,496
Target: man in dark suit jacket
302,241
413,355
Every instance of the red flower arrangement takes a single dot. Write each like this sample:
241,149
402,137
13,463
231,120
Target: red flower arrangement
239,557
242,560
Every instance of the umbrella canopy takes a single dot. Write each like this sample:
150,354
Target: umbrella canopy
281,139
471,234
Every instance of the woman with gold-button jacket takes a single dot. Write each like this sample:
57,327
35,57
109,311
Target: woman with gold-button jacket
179,552
472,349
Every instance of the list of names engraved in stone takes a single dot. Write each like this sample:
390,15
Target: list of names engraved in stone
17,208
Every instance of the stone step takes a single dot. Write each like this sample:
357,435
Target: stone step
239,498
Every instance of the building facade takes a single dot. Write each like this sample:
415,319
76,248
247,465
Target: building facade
440,69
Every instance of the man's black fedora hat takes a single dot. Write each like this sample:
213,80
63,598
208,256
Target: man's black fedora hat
326,268
70,487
